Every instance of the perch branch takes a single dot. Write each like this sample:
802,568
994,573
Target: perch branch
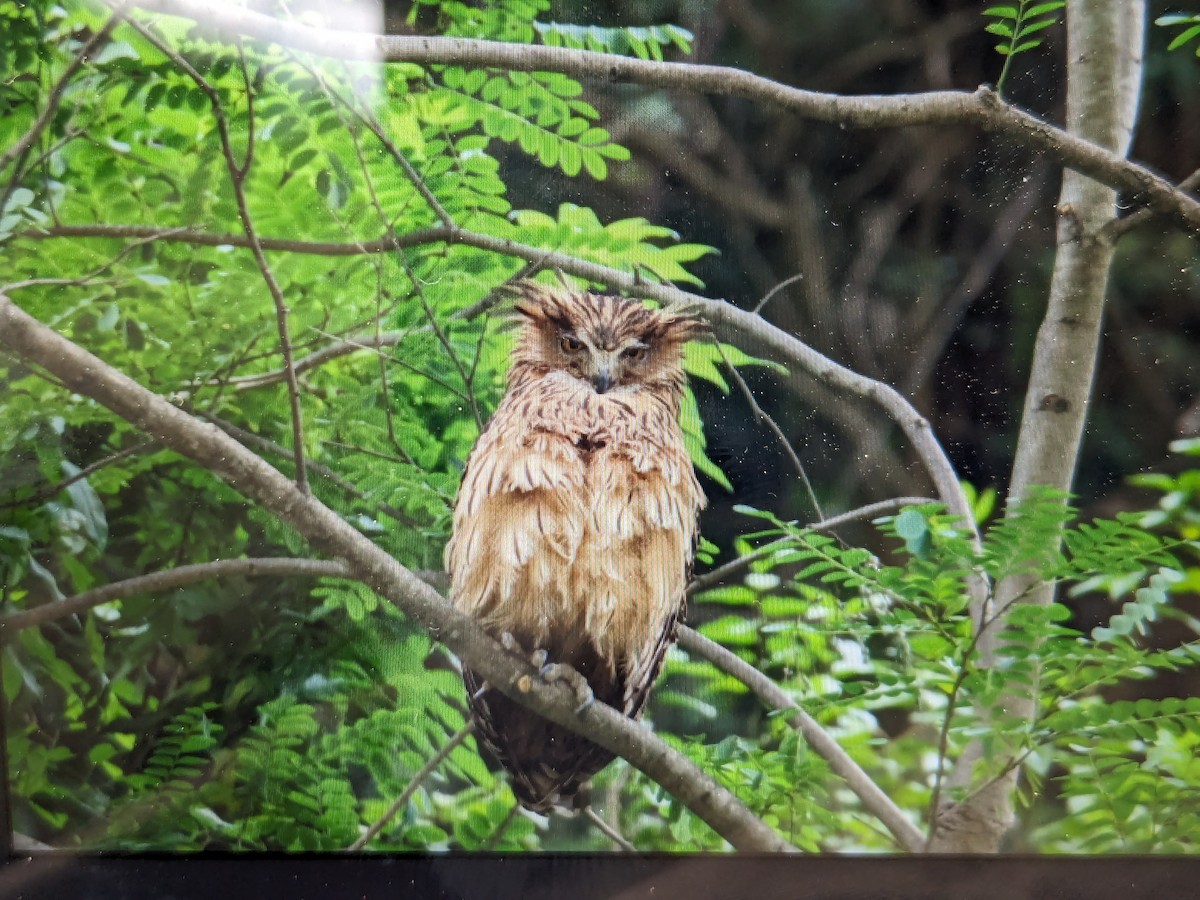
181,576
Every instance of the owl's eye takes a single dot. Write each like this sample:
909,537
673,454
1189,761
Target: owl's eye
570,344
635,353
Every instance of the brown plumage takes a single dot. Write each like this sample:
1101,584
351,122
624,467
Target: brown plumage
576,521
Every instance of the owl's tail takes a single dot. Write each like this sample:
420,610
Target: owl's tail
547,764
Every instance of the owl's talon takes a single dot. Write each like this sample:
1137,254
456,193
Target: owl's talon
509,643
584,697
538,658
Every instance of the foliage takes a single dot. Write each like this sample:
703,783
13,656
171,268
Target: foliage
865,640
1190,25
1016,25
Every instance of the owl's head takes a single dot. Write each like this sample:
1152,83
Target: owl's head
608,342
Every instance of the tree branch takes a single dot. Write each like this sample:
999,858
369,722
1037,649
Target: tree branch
509,673
167,580
702,582
775,430
770,693
208,239
1117,228
608,831
251,439
42,494
873,798
1104,47
982,108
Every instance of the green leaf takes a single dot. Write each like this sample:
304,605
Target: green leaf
1184,37
1033,27
1038,9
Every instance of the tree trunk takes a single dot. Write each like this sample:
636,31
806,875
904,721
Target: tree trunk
1104,66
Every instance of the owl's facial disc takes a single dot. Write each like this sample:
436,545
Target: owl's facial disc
604,368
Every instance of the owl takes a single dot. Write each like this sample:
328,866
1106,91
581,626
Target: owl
576,522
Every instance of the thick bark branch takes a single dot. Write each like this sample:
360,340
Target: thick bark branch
982,108
208,446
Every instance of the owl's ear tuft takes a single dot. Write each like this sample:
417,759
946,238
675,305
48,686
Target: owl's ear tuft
537,303
679,328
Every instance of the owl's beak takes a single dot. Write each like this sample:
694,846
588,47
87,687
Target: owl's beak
603,381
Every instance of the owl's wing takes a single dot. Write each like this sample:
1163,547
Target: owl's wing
518,517
643,668
648,515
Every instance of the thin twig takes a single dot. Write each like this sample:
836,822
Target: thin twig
443,216
328,353
941,323
501,828
193,236
611,833
251,439
45,493
407,167
775,430
702,582
167,580
411,788
758,307
468,394
237,178
497,294
1118,228
87,278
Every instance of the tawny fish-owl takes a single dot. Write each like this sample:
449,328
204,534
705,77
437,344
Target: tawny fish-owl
576,521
